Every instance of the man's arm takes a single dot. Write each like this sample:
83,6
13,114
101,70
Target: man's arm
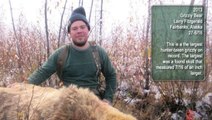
109,74
44,71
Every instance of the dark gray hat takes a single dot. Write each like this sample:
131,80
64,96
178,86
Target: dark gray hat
78,14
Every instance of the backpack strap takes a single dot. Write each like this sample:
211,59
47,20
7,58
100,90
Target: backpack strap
62,57
101,80
96,57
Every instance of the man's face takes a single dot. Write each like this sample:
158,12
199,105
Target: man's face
79,33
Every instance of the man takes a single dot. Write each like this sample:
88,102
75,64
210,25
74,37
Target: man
80,67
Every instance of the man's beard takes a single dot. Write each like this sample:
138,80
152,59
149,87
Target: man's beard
79,44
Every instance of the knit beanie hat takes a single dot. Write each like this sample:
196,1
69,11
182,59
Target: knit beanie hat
78,14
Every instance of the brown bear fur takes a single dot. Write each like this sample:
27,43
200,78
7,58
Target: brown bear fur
25,101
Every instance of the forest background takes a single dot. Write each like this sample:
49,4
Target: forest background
28,35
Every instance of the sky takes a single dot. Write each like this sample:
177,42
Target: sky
31,9
115,12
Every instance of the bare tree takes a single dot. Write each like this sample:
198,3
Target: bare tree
195,83
192,2
80,2
18,50
47,33
147,72
46,28
208,45
61,23
13,24
89,19
100,27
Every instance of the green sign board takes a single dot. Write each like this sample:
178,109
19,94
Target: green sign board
178,43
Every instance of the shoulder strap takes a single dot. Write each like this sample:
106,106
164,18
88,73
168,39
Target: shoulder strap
96,57
61,60
101,79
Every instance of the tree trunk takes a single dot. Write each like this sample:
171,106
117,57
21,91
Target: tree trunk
61,23
89,19
196,83
192,2
100,28
80,2
207,37
47,35
46,28
147,72
18,50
